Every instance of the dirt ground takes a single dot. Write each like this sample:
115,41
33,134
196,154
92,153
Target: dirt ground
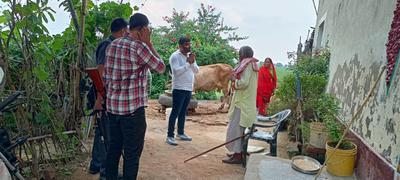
162,161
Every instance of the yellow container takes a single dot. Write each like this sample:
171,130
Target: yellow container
342,162
318,135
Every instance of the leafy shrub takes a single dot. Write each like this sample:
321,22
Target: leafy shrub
305,129
316,104
206,95
282,72
276,106
327,108
312,87
158,85
314,65
313,72
207,43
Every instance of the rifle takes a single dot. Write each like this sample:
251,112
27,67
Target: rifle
94,75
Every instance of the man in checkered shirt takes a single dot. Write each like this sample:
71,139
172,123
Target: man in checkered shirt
125,74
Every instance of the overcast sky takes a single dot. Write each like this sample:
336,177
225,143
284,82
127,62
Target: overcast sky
273,26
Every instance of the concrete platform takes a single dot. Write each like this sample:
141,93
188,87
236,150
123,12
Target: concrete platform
263,167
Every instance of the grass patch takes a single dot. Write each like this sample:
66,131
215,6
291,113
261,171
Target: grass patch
281,72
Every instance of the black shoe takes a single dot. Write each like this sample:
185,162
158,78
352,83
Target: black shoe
234,159
120,177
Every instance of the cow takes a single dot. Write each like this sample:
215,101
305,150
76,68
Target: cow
214,77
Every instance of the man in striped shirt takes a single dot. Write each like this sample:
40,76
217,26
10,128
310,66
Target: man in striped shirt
125,74
119,26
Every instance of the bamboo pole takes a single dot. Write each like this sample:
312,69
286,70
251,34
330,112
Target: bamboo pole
49,135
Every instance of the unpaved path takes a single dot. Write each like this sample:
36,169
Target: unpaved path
162,161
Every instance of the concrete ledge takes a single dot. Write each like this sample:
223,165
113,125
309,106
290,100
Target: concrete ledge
262,167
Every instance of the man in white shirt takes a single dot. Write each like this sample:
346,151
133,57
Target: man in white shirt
183,66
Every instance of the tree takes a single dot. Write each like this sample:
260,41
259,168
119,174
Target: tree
279,65
100,17
210,40
44,67
26,56
211,26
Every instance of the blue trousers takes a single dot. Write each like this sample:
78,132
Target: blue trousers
180,102
97,164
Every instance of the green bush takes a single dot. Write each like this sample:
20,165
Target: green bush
312,87
313,72
327,108
305,129
314,65
158,85
206,95
207,43
276,106
282,72
316,104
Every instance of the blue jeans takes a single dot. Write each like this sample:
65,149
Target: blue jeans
126,133
180,102
99,146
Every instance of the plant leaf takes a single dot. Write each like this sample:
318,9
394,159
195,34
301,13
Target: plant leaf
51,16
41,74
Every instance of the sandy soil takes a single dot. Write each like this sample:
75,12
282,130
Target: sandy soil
162,161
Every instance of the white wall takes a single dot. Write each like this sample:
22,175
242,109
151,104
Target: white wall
356,31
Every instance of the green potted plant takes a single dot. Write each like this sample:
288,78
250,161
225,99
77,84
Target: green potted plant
340,162
324,107
313,129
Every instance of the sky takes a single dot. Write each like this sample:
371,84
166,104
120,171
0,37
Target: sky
273,26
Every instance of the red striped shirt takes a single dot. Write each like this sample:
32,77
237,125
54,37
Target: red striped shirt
125,74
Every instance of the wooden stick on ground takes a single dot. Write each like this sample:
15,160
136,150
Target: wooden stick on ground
353,118
216,147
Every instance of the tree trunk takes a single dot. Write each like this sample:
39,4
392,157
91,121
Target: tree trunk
73,15
75,112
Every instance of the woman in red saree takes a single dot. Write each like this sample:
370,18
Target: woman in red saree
267,81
